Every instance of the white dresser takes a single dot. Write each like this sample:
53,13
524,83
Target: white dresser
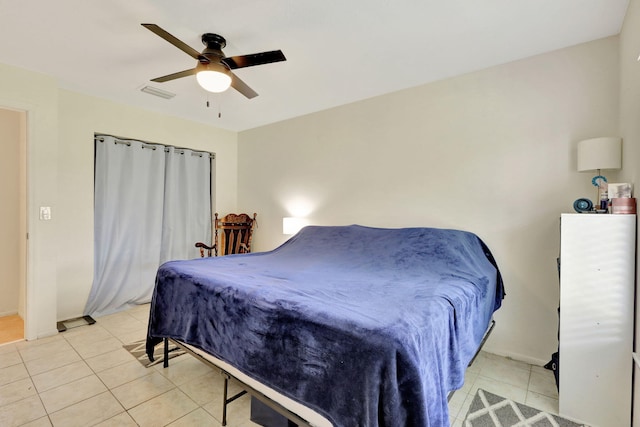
597,269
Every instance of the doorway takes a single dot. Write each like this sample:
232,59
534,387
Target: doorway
13,229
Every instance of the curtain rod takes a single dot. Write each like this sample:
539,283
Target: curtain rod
152,145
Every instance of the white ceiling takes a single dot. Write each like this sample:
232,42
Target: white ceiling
337,51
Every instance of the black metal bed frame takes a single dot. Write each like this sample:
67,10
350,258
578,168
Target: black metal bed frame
485,337
291,416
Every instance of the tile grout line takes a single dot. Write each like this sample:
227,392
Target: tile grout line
110,390
34,388
100,379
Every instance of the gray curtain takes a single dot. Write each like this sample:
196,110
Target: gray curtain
152,203
187,212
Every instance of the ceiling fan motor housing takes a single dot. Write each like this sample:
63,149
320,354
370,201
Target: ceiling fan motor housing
213,52
213,41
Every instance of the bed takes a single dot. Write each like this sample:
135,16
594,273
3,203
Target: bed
365,326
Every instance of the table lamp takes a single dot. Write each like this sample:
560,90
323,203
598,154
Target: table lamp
597,154
291,225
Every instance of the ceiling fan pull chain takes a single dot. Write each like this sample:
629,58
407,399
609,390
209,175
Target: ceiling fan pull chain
209,105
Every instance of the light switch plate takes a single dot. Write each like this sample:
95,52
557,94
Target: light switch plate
45,213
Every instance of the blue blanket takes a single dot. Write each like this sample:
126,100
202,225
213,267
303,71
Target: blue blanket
368,326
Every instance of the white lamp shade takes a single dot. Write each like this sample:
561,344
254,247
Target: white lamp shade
600,153
291,225
213,77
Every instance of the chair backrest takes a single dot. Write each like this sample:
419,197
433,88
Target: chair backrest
233,233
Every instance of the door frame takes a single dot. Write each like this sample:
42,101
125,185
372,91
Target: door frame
26,303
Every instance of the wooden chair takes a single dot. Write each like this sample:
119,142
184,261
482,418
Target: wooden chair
231,235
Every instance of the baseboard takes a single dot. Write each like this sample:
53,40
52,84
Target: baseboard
8,313
45,334
519,357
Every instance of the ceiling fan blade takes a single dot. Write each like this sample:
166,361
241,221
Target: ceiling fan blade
242,87
174,76
173,40
242,61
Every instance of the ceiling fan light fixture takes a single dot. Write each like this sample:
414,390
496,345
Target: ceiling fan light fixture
213,77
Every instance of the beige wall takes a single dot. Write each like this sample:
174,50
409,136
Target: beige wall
10,202
37,95
630,93
491,152
81,116
630,132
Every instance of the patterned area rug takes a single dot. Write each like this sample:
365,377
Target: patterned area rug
138,350
490,410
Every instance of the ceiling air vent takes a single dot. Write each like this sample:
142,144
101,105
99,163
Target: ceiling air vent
157,92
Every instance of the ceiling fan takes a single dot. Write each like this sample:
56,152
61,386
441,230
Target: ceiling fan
213,69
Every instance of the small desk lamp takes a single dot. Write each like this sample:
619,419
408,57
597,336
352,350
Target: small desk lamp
599,153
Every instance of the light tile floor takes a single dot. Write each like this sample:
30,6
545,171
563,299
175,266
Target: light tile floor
84,377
